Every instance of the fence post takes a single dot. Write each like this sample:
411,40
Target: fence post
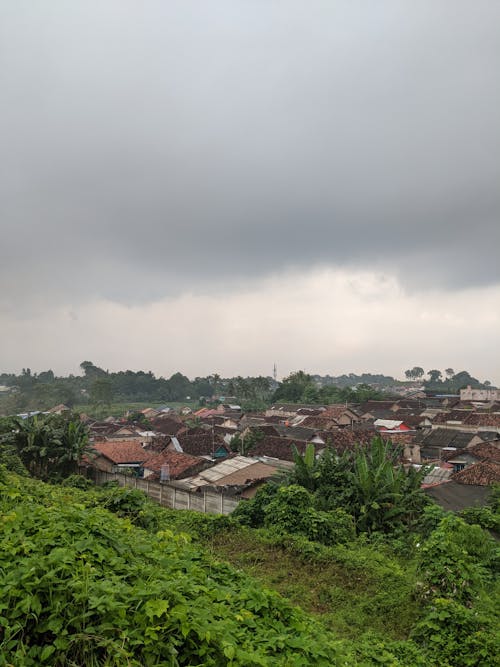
189,500
175,499
161,494
204,502
147,487
222,502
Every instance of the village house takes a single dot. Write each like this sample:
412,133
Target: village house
168,465
119,455
470,394
240,475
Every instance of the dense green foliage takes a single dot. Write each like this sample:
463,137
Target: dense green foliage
96,387
100,389
367,485
45,445
300,387
81,587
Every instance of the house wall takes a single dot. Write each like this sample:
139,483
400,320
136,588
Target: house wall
104,464
347,419
412,452
469,394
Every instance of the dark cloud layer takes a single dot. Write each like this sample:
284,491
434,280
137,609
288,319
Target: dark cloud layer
152,147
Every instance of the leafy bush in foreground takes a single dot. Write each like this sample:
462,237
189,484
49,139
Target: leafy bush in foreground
79,586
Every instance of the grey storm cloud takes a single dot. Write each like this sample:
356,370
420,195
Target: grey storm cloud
153,147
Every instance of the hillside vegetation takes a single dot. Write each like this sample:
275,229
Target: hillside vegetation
141,585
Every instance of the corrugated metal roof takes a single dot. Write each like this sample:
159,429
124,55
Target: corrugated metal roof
217,472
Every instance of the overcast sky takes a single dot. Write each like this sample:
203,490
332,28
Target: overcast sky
219,186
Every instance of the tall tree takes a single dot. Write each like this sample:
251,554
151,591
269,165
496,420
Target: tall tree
101,391
418,372
435,375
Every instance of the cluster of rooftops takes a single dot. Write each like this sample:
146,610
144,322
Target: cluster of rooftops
196,450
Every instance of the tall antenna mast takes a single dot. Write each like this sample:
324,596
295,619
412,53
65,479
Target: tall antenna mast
275,372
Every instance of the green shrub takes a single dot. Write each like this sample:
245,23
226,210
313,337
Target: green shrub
132,504
458,635
333,527
287,512
252,512
78,482
482,516
456,560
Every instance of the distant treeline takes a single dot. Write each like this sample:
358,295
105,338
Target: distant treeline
99,387
351,380
447,381
96,386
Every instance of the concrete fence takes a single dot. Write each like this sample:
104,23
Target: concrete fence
167,495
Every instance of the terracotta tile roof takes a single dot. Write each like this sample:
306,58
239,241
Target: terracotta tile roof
168,426
343,439
484,419
370,406
278,448
480,474
411,403
335,411
452,415
266,429
202,444
470,418
179,464
281,448
400,438
486,452
321,423
103,428
122,451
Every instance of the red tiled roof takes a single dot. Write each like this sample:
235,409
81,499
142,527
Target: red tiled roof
168,426
266,429
278,448
322,423
202,444
179,463
335,411
122,451
281,448
486,452
480,474
484,419
369,406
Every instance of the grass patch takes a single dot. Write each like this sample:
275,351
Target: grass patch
353,589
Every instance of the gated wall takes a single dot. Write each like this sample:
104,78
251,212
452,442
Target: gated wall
209,502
